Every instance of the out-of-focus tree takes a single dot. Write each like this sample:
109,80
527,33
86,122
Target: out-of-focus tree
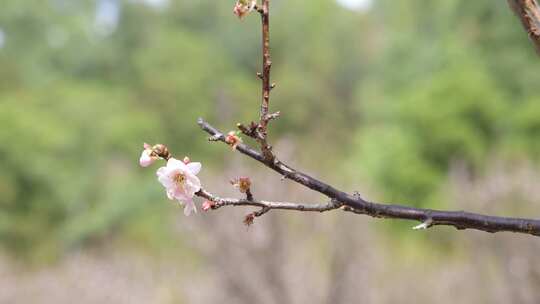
452,86
410,85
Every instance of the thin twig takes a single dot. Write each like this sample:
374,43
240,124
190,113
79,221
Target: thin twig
265,79
266,205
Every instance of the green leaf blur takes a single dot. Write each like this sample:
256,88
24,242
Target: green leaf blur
394,96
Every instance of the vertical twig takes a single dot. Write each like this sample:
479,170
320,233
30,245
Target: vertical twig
265,78
267,64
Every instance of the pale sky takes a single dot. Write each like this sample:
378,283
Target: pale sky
158,3
2,38
108,11
360,5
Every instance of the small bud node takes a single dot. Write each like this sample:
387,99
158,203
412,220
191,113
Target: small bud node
161,151
232,139
242,183
244,7
207,205
249,219
425,225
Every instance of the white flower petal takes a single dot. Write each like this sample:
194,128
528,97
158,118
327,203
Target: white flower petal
175,163
192,185
189,207
163,171
170,194
195,168
146,160
165,177
180,194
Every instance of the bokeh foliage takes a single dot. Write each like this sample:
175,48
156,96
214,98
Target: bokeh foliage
394,95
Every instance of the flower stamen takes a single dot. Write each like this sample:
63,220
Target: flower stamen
179,179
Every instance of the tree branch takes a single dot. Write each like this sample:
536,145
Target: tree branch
356,204
528,12
265,78
266,205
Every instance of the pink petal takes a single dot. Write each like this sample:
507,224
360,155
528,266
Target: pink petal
161,171
195,168
170,194
179,194
189,207
175,163
165,177
207,205
146,160
193,185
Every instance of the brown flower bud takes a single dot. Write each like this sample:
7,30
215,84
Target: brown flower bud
161,151
243,7
233,140
249,219
242,183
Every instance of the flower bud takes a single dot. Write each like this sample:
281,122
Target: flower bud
161,151
243,7
242,183
233,140
148,156
207,205
146,159
249,219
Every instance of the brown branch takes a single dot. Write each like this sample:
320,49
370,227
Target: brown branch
356,204
266,205
267,64
265,79
528,12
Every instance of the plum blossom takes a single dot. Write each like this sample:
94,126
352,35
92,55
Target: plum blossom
148,156
180,182
243,7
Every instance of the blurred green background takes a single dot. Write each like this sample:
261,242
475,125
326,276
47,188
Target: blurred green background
414,101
